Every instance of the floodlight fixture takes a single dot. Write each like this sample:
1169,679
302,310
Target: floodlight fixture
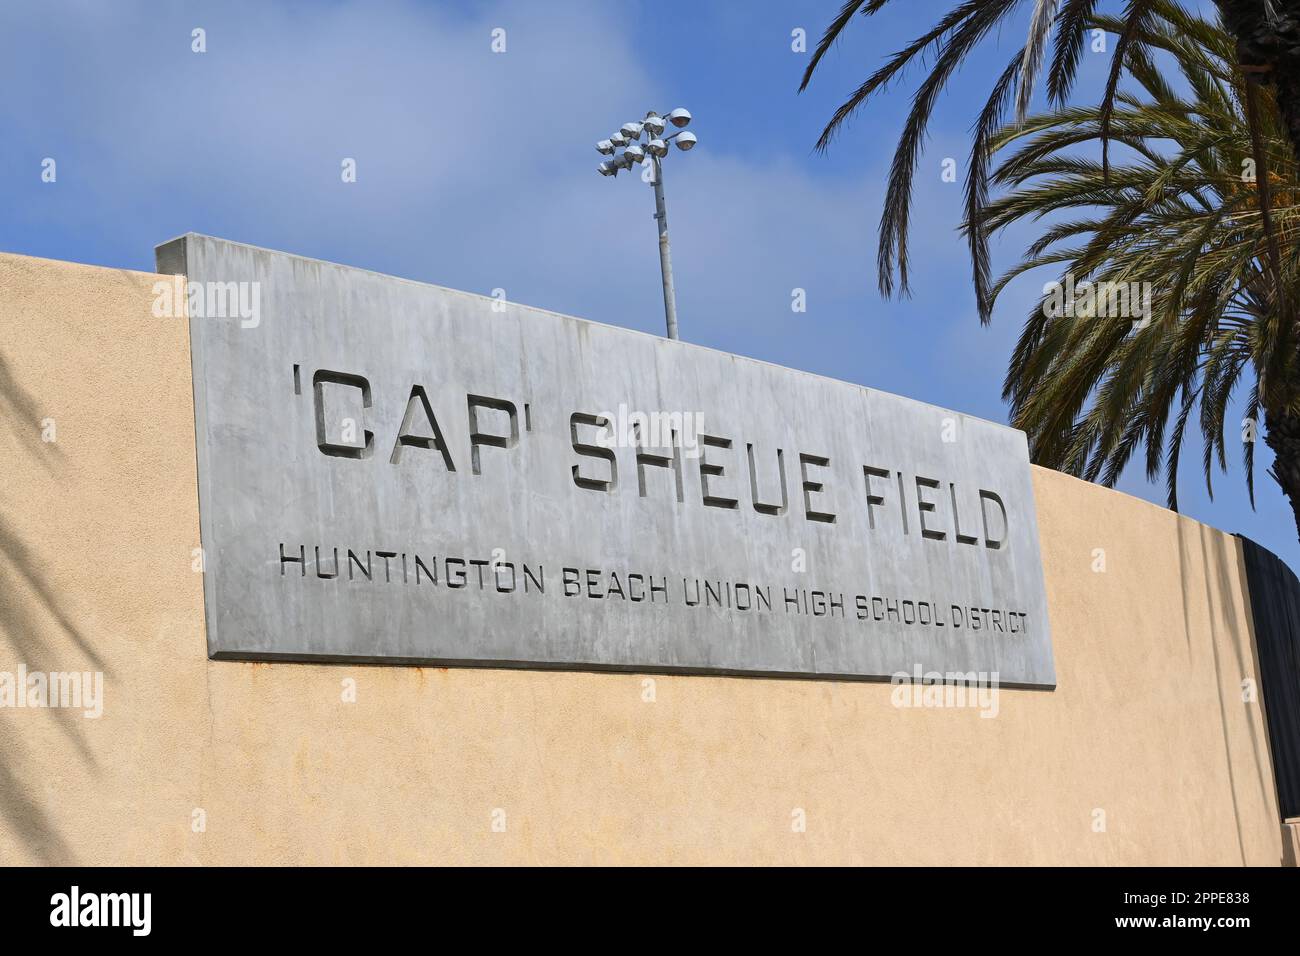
652,155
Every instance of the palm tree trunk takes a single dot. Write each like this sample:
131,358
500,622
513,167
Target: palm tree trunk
1283,438
1268,44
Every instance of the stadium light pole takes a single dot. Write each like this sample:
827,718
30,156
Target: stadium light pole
656,148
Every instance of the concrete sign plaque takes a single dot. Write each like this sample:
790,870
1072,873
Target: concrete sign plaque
397,472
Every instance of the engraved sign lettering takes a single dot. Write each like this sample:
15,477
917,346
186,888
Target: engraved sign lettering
397,472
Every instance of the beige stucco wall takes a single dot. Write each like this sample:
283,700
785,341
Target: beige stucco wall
97,530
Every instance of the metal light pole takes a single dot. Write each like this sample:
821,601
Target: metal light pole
653,153
665,257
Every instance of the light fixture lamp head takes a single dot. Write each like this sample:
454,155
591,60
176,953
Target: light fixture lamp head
631,130
607,168
635,153
618,140
685,141
654,125
679,117
657,147
605,148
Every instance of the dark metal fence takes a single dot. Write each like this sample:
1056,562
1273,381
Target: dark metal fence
1275,603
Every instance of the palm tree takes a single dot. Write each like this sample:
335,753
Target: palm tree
1267,34
1182,217
1267,48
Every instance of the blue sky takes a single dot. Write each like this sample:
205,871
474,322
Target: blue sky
476,171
